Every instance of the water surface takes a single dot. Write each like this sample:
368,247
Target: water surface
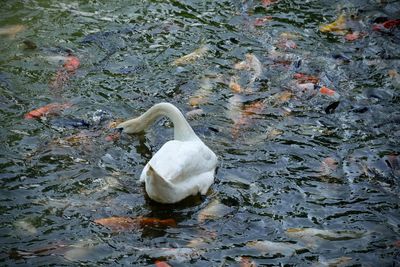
326,165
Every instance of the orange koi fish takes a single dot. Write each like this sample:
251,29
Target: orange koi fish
159,263
387,25
246,115
329,92
71,64
326,91
127,223
45,110
304,78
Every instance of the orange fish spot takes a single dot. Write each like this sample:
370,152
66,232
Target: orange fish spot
112,137
262,21
159,263
326,91
71,63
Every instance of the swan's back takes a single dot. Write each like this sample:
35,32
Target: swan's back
178,160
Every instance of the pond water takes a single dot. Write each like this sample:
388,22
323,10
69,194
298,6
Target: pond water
305,176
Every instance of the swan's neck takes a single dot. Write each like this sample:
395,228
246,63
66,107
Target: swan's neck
182,129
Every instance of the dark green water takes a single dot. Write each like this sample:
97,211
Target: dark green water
303,161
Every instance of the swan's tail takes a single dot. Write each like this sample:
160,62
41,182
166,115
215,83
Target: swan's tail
158,179
158,188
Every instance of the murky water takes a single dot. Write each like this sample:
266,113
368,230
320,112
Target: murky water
304,178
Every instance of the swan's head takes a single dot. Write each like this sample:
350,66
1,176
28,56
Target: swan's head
130,126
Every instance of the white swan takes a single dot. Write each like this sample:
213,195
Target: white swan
182,167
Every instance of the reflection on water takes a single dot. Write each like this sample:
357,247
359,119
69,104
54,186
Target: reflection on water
299,99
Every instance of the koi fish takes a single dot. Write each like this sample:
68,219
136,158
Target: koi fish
201,95
267,3
342,261
304,78
69,123
247,262
329,92
262,21
43,251
328,166
118,224
353,36
112,137
387,25
312,233
338,26
234,85
82,138
176,254
12,30
159,263
245,116
286,40
395,78
45,110
271,248
213,211
71,64
192,57
194,113
250,63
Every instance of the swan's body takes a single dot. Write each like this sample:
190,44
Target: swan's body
182,167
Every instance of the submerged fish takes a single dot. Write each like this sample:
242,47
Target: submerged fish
159,263
329,92
29,44
234,85
337,262
201,96
251,63
53,108
177,254
267,3
272,248
112,137
311,235
69,123
387,25
247,262
395,78
192,57
262,21
305,78
71,64
12,30
338,26
214,210
26,227
354,36
127,223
